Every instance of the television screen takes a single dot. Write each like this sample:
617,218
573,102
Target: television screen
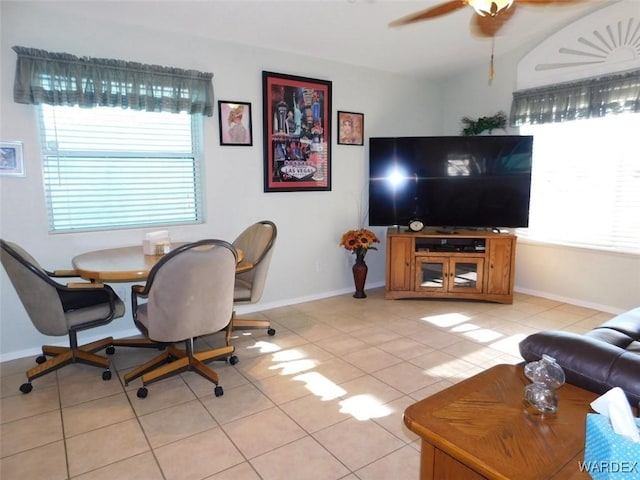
454,181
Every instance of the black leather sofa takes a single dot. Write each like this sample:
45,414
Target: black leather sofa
607,356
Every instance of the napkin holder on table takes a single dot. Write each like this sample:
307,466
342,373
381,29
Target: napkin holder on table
612,448
156,243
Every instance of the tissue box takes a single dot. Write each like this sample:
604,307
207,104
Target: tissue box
607,455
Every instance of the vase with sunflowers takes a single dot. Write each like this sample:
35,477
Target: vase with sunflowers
359,242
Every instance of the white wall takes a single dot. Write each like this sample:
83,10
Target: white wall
307,262
595,279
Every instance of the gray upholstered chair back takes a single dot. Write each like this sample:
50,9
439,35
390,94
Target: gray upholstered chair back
36,291
190,292
256,242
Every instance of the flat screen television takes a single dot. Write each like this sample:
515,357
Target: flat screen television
450,181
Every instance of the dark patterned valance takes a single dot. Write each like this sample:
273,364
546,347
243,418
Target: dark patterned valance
595,97
64,79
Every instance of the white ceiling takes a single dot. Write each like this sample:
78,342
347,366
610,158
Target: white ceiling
349,31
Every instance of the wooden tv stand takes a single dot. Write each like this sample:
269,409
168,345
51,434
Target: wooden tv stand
464,265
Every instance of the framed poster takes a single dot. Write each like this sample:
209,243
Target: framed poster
11,159
235,123
350,128
297,133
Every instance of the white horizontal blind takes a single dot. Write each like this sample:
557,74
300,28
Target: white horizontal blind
586,183
107,168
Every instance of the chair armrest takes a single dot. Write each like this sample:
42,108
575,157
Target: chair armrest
64,273
244,267
85,285
139,291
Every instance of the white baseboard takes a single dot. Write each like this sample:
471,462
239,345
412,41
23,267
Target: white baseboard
572,301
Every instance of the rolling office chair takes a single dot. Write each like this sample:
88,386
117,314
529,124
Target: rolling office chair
257,243
56,309
189,294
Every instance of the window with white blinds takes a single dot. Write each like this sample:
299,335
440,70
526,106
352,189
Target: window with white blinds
109,168
586,183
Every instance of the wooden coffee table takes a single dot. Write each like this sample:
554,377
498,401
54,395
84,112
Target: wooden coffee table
481,428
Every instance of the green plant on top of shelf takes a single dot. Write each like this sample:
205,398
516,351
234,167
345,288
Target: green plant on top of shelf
482,124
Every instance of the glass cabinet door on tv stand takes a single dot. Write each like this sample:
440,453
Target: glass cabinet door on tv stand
462,275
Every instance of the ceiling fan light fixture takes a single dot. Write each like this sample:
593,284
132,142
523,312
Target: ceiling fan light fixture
490,8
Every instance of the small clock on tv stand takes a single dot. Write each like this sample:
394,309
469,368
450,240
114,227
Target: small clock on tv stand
416,225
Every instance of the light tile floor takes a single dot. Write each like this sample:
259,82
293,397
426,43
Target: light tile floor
322,399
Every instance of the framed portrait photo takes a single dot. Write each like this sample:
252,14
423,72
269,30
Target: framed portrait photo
297,133
235,123
11,159
350,128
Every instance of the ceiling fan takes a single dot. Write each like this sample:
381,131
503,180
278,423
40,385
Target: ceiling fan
490,16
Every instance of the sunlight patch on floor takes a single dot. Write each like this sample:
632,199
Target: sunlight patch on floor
292,361
364,407
361,407
321,386
446,319
288,355
295,366
265,347
476,333
465,327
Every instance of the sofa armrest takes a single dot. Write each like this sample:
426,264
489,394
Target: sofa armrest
626,375
587,362
627,323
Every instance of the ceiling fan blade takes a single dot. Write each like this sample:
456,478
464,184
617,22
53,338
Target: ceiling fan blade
432,12
487,26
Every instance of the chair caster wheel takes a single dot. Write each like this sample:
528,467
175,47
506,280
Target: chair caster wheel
218,391
110,350
142,392
106,375
26,387
233,360
41,359
271,332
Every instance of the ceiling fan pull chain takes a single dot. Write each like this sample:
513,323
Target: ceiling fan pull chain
491,70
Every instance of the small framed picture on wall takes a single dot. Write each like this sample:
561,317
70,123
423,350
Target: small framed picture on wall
235,123
11,159
350,128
